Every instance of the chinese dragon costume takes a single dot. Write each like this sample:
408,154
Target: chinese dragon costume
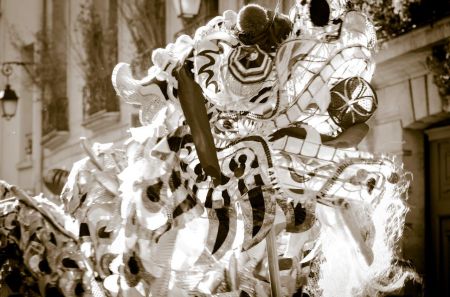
259,118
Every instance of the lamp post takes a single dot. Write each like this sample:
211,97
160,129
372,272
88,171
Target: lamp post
8,101
187,8
8,97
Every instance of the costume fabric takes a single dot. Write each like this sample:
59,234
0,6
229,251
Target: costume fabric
259,116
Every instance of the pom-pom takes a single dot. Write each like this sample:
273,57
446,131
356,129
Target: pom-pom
280,28
262,27
319,12
252,20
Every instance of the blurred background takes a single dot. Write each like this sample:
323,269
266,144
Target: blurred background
57,58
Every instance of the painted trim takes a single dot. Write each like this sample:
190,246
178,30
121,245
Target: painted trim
438,133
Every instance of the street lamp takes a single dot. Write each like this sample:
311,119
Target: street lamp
8,97
187,8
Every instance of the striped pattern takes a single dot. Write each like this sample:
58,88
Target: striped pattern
249,64
55,179
245,175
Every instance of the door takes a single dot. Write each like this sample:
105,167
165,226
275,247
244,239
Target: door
439,211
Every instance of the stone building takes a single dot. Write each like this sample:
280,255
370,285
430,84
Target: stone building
412,121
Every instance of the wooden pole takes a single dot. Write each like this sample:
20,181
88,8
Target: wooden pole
274,270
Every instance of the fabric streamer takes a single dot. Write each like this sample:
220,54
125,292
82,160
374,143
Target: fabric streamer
193,104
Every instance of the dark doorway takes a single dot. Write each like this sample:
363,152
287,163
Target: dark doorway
438,212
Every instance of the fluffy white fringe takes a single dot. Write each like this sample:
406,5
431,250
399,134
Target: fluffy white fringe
342,270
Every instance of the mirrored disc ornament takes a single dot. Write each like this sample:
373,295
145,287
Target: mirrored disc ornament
353,101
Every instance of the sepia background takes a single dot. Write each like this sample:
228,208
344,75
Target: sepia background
58,56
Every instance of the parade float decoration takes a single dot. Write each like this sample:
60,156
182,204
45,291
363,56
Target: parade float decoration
246,182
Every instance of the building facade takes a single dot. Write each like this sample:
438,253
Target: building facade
412,123
58,107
